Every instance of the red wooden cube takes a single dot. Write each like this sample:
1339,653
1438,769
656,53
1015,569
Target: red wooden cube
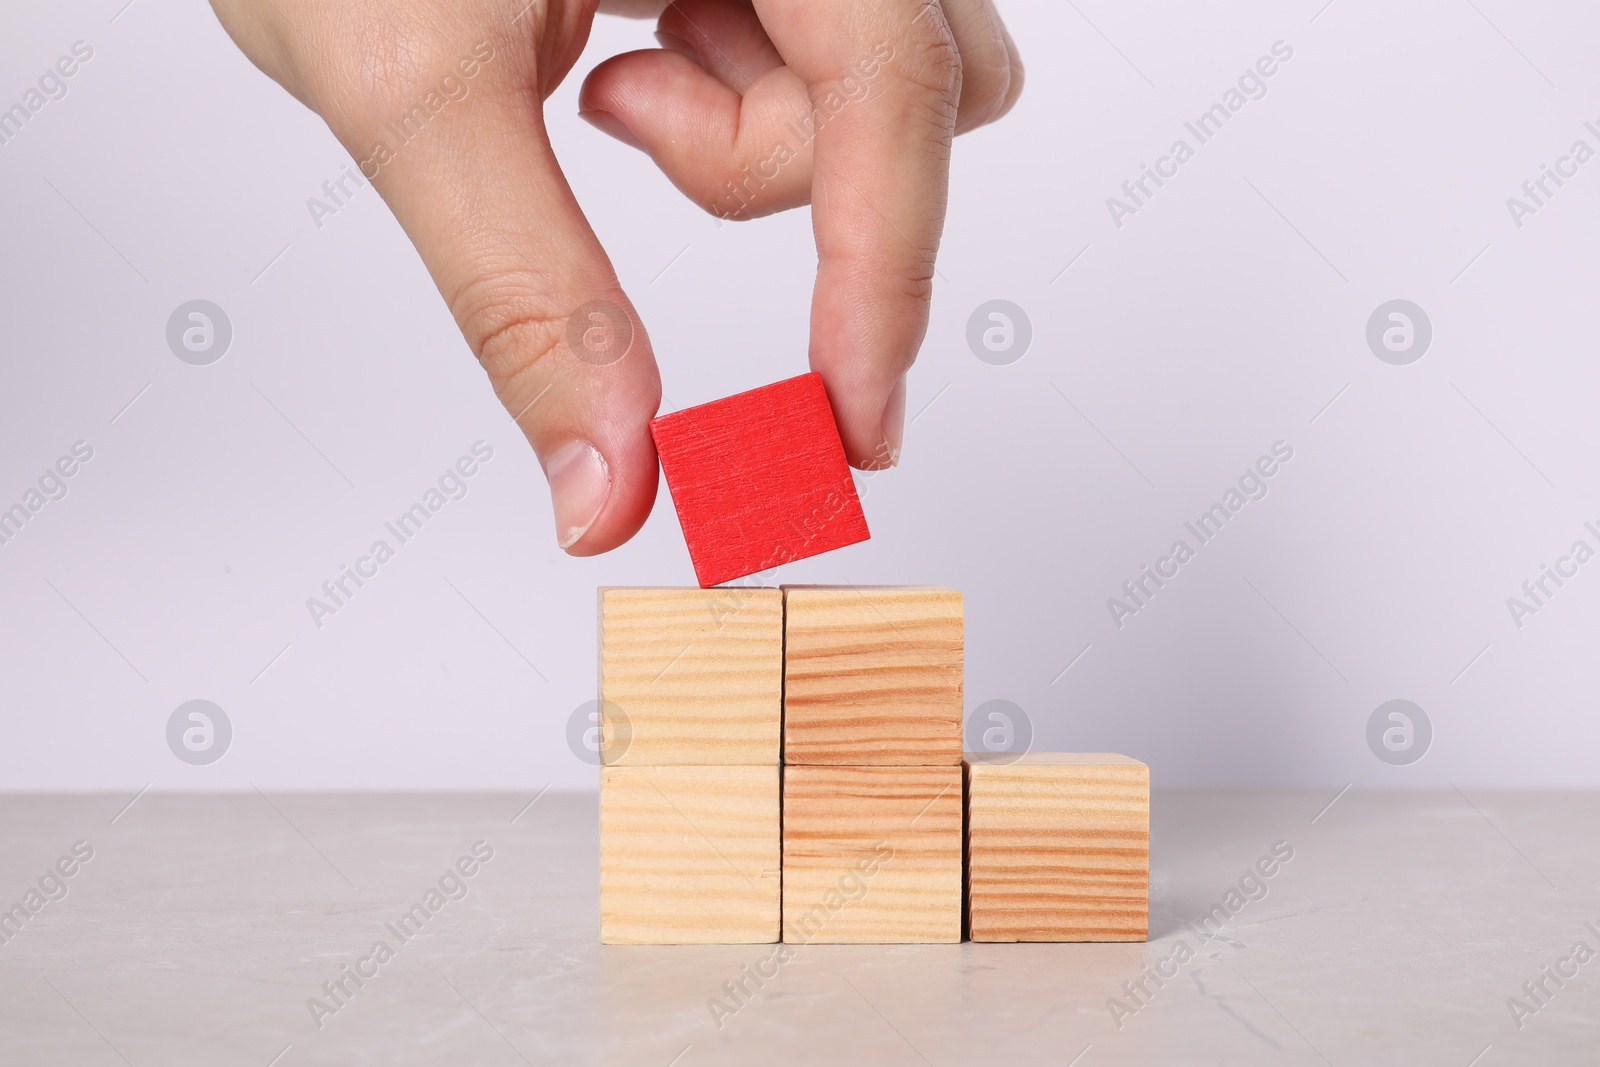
759,479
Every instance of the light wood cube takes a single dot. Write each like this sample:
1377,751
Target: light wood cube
872,854
1058,847
697,675
872,676
689,855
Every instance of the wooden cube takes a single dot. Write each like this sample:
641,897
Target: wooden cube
689,855
872,675
1058,847
759,479
691,676
872,854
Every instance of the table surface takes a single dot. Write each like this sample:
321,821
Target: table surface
202,926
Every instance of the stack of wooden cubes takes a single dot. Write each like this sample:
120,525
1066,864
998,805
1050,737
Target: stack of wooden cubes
872,764
691,691
788,763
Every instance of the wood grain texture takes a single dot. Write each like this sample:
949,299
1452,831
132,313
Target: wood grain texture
872,675
759,479
689,855
691,676
1058,847
872,854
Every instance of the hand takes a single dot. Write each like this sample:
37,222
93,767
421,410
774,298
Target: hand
441,103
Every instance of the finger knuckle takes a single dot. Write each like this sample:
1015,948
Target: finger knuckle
511,325
905,284
931,60
916,284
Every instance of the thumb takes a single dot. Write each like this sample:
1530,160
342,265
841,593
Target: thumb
479,192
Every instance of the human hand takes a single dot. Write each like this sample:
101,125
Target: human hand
749,108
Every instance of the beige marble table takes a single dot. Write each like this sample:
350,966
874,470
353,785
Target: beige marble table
235,930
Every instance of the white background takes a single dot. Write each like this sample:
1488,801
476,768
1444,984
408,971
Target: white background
1177,349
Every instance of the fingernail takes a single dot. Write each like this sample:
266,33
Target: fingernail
894,423
580,483
673,43
606,122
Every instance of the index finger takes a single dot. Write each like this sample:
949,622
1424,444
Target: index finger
885,83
